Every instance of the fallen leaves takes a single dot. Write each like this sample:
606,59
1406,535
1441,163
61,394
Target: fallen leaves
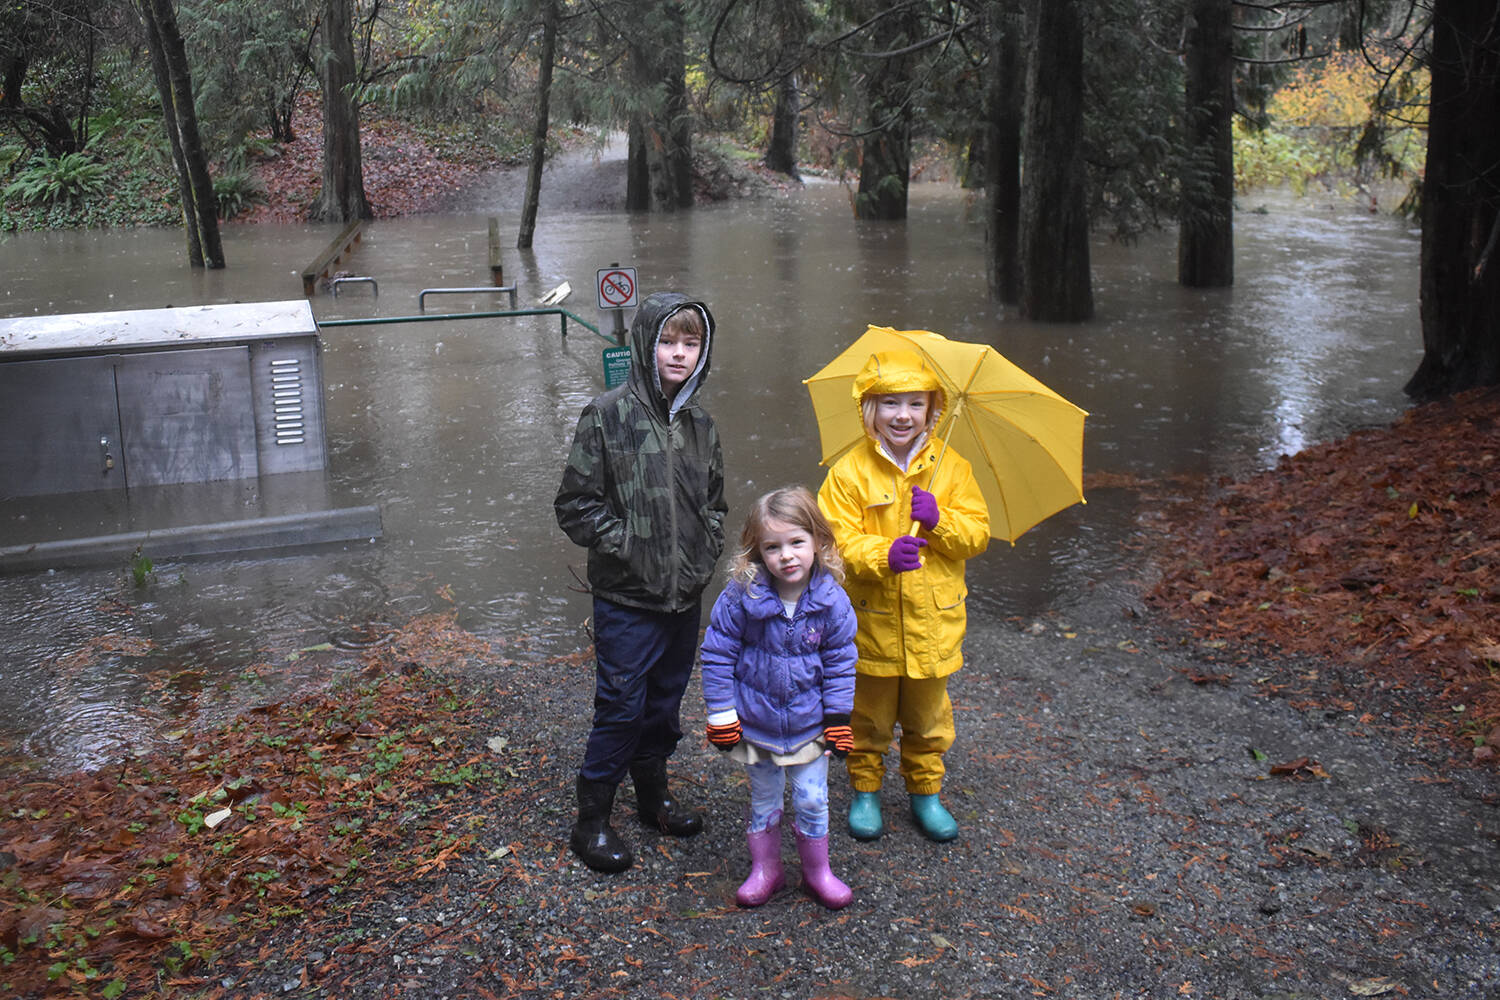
173,856
1374,553
1302,767
403,173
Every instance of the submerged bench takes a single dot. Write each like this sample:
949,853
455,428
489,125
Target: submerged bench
335,252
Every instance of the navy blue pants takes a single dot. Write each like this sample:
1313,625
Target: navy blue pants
642,663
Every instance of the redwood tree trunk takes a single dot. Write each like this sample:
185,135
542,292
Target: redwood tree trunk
885,153
1205,241
1002,162
637,165
659,165
539,133
781,150
342,198
679,182
1460,282
1055,282
885,171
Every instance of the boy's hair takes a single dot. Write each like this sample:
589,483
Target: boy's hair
686,321
792,505
871,400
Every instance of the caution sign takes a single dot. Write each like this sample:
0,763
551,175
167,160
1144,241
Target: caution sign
616,288
616,366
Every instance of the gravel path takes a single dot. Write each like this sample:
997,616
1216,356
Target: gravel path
1122,835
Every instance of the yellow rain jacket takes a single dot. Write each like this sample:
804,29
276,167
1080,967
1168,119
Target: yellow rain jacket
910,624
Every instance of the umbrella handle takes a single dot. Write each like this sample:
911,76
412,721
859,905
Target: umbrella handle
952,417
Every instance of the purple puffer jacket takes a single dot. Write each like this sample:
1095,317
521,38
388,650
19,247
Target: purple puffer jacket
780,676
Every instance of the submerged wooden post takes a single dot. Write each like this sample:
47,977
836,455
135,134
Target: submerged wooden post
497,272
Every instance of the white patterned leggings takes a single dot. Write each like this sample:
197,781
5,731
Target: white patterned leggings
809,795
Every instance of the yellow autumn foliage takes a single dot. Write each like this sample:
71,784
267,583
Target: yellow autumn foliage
1335,93
1317,118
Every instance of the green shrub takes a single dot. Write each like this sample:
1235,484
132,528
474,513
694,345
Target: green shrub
236,191
138,139
50,180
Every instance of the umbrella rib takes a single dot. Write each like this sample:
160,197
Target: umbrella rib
989,460
952,417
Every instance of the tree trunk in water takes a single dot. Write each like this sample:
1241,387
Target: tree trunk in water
885,172
971,172
539,134
637,167
659,164
1460,282
1205,242
781,151
1055,283
169,116
1002,160
200,210
342,198
885,153
678,116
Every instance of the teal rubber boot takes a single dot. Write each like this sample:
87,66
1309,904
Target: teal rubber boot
935,822
864,816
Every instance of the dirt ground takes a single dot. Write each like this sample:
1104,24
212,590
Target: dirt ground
1126,831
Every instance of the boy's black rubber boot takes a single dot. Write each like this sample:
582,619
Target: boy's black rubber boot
656,806
593,839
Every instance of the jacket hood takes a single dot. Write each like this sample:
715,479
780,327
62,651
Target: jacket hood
645,330
897,371
900,371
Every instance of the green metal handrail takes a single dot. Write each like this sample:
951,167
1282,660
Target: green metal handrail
562,314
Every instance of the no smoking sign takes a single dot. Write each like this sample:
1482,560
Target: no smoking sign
616,287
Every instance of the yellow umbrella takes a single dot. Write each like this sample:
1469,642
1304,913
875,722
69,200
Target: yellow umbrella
1024,441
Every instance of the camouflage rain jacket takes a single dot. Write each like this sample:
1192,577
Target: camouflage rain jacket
643,490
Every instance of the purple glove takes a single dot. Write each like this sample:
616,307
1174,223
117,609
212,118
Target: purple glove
903,556
924,509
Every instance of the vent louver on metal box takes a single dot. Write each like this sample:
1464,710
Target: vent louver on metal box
286,401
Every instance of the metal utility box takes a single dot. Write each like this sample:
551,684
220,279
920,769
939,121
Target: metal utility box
150,397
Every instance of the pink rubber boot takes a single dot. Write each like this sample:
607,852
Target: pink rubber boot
817,878
767,877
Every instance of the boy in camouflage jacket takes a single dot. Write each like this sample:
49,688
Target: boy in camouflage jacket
643,491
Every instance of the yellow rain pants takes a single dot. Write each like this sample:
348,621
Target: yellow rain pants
922,709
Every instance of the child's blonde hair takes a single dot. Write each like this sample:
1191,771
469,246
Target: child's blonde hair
792,505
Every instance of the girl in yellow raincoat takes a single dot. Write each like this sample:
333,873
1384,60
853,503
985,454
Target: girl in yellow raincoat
906,513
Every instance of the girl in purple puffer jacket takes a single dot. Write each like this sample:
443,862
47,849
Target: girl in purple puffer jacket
778,682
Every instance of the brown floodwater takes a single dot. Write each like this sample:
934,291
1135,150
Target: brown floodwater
457,429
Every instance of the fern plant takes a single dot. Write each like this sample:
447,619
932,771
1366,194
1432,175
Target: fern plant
50,180
236,191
